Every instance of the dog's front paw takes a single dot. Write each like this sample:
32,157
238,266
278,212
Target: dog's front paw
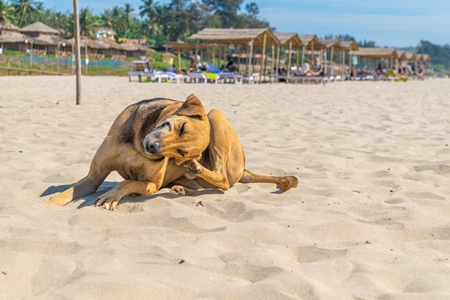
108,200
193,166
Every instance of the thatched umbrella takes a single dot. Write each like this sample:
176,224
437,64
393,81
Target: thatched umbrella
290,40
251,36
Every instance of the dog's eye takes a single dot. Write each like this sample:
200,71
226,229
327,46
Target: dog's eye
182,129
181,152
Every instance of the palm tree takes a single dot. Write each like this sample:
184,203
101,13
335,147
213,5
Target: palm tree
128,17
114,19
147,9
6,13
88,22
25,8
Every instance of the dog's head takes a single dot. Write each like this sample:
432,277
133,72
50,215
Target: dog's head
183,135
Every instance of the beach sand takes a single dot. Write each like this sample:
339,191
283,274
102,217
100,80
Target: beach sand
369,219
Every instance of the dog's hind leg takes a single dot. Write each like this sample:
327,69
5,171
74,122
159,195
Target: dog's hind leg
285,182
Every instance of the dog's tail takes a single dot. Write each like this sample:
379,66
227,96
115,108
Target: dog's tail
285,182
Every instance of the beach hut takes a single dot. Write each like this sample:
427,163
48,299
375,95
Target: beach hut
135,49
14,41
182,46
332,45
390,55
349,47
167,57
311,43
252,37
6,29
287,40
44,38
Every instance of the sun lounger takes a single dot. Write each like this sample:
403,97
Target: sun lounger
215,74
195,76
139,68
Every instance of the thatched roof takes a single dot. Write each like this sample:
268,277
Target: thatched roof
39,27
426,58
108,44
185,46
410,56
311,41
401,55
14,38
380,53
233,36
134,47
46,40
332,43
85,41
285,38
349,45
9,26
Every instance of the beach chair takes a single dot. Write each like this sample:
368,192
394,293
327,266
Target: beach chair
196,77
215,74
138,70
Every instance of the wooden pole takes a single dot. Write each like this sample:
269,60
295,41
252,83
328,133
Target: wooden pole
331,60
261,72
77,48
289,61
239,58
273,62
278,61
303,55
250,59
179,60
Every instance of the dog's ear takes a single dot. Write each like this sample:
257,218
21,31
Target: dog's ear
192,108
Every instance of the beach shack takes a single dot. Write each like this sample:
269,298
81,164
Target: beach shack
347,47
288,40
42,38
251,38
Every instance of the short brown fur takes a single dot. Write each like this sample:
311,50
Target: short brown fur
158,142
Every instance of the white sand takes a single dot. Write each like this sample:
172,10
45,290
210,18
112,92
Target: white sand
370,218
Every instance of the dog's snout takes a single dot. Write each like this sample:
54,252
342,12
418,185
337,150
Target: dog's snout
152,148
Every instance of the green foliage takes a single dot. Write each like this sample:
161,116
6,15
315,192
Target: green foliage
152,20
439,68
440,55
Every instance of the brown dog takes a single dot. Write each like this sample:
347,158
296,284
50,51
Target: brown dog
157,142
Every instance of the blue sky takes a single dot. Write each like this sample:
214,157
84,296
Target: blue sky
396,23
